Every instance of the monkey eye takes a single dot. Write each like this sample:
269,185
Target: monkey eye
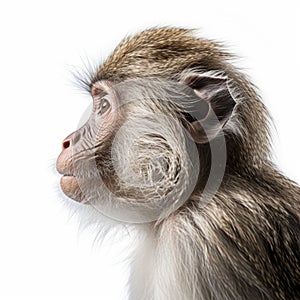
103,106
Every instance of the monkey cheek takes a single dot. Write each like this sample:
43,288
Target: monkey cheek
71,188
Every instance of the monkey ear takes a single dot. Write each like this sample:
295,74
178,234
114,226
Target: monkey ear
212,108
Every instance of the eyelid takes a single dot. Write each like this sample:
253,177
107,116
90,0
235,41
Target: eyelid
97,98
98,103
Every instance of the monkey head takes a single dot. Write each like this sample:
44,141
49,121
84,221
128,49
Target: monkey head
157,106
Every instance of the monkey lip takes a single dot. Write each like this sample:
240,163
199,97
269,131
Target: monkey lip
68,177
70,187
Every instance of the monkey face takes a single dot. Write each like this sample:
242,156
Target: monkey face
76,161
137,150
127,154
137,158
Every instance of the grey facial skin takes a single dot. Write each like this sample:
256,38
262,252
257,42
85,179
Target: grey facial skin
177,146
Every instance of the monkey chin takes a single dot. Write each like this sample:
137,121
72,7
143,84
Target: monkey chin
70,187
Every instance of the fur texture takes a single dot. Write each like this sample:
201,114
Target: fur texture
244,243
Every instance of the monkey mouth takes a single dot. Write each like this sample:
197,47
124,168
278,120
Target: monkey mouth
68,175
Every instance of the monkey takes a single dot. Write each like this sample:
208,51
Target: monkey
178,146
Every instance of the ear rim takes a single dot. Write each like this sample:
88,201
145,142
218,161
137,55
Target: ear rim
206,129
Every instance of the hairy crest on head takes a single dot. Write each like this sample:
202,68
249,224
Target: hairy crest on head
178,146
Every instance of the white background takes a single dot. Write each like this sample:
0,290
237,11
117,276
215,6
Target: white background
42,255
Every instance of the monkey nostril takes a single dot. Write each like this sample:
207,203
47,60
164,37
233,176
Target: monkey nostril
66,144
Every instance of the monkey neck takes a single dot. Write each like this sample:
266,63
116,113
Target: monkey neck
243,160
